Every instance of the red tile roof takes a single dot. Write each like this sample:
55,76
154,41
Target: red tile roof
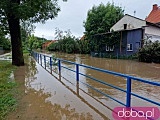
83,37
47,43
154,16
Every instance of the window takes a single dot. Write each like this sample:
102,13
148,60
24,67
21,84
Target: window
109,48
129,47
125,26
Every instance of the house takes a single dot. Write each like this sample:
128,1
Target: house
154,15
132,33
47,43
151,30
130,42
135,30
153,22
83,37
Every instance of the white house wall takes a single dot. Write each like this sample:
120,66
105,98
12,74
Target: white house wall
152,32
132,23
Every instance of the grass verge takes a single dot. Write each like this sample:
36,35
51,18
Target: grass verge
7,89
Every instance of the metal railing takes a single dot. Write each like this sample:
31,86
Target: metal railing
41,58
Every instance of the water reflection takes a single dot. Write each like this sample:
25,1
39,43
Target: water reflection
132,67
30,71
63,98
44,97
144,70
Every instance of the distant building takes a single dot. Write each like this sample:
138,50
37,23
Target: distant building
83,37
153,20
47,43
128,22
133,33
154,15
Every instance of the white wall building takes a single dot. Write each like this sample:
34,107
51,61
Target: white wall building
128,22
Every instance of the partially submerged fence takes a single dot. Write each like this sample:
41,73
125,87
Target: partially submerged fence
45,59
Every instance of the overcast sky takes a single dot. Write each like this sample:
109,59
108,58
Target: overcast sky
74,12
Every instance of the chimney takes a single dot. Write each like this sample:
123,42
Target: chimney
155,7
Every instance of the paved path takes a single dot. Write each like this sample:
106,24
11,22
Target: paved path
49,98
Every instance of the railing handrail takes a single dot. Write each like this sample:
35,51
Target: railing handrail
114,73
129,78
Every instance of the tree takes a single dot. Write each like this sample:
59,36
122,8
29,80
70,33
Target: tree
99,20
12,11
3,40
66,42
27,29
34,42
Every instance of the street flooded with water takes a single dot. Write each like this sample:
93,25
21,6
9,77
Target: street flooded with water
54,97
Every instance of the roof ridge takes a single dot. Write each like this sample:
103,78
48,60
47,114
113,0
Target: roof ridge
134,17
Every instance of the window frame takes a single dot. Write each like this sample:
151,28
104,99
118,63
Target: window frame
130,48
108,48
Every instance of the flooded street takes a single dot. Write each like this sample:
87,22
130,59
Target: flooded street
46,96
43,97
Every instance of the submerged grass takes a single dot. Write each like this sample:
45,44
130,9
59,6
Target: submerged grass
7,89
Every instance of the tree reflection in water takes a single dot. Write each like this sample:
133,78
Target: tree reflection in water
33,103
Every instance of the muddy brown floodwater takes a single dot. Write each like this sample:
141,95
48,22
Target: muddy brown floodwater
46,96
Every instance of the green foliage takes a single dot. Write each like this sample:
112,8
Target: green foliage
26,29
3,40
34,42
5,43
83,46
68,43
7,100
150,52
99,20
34,11
12,11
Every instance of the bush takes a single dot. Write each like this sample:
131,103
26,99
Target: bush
150,53
67,44
5,43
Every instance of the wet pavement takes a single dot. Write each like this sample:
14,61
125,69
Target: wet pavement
45,97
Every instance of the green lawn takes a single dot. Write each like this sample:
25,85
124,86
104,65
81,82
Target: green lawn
7,89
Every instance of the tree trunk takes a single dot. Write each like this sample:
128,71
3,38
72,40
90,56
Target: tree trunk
17,51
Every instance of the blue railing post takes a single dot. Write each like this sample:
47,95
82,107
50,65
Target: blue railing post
59,66
41,59
50,62
45,61
128,99
38,57
77,72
